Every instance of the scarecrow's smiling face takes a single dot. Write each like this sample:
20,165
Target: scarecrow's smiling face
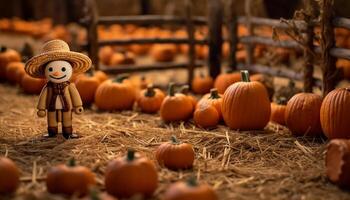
58,71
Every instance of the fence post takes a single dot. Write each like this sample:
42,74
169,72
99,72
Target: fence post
327,42
215,21
232,25
92,35
249,47
191,41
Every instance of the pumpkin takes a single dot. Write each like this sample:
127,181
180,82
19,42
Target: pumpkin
70,179
214,99
335,114
246,105
338,162
278,111
150,99
7,56
105,54
206,116
32,85
189,190
20,72
223,81
302,115
87,86
186,91
131,175
11,71
345,66
175,107
9,174
101,76
202,84
122,58
118,94
163,52
175,155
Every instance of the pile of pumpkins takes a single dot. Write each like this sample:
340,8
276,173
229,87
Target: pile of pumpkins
125,177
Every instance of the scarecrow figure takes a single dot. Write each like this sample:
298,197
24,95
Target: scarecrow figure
59,97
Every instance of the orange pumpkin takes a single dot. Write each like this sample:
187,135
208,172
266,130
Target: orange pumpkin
278,111
87,86
118,94
9,174
206,116
246,105
163,52
69,180
202,84
189,190
122,58
175,155
175,107
345,66
131,175
335,114
214,99
186,91
32,85
19,75
7,56
101,76
11,71
150,99
223,81
105,54
302,115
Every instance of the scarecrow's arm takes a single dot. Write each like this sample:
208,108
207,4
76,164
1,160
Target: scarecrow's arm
76,100
42,99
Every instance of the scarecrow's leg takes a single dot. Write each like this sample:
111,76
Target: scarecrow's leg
52,127
67,129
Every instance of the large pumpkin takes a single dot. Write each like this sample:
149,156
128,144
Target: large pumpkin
175,107
302,115
189,190
70,179
246,105
131,175
202,84
87,86
175,154
9,174
150,99
32,85
7,56
11,71
223,81
335,114
118,94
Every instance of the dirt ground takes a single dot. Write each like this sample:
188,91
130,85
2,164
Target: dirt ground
269,164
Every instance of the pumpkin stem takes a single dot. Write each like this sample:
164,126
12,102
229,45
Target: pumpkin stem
94,194
214,94
131,155
192,182
282,101
245,76
150,91
229,71
71,162
121,78
174,139
171,89
185,89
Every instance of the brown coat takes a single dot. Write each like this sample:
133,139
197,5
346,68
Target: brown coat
71,95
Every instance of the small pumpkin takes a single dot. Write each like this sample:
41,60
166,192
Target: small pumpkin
122,58
118,94
131,175
186,91
202,84
20,72
345,66
190,190
11,71
70,179
335,114
175,155
214,99
278,110
9,174
223,81
101,76
7,56
246,105
150,99
206,116
87,86
175,107
302,115
163,52
338,162
32,85
105,54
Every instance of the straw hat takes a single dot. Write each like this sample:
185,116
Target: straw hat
56,50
